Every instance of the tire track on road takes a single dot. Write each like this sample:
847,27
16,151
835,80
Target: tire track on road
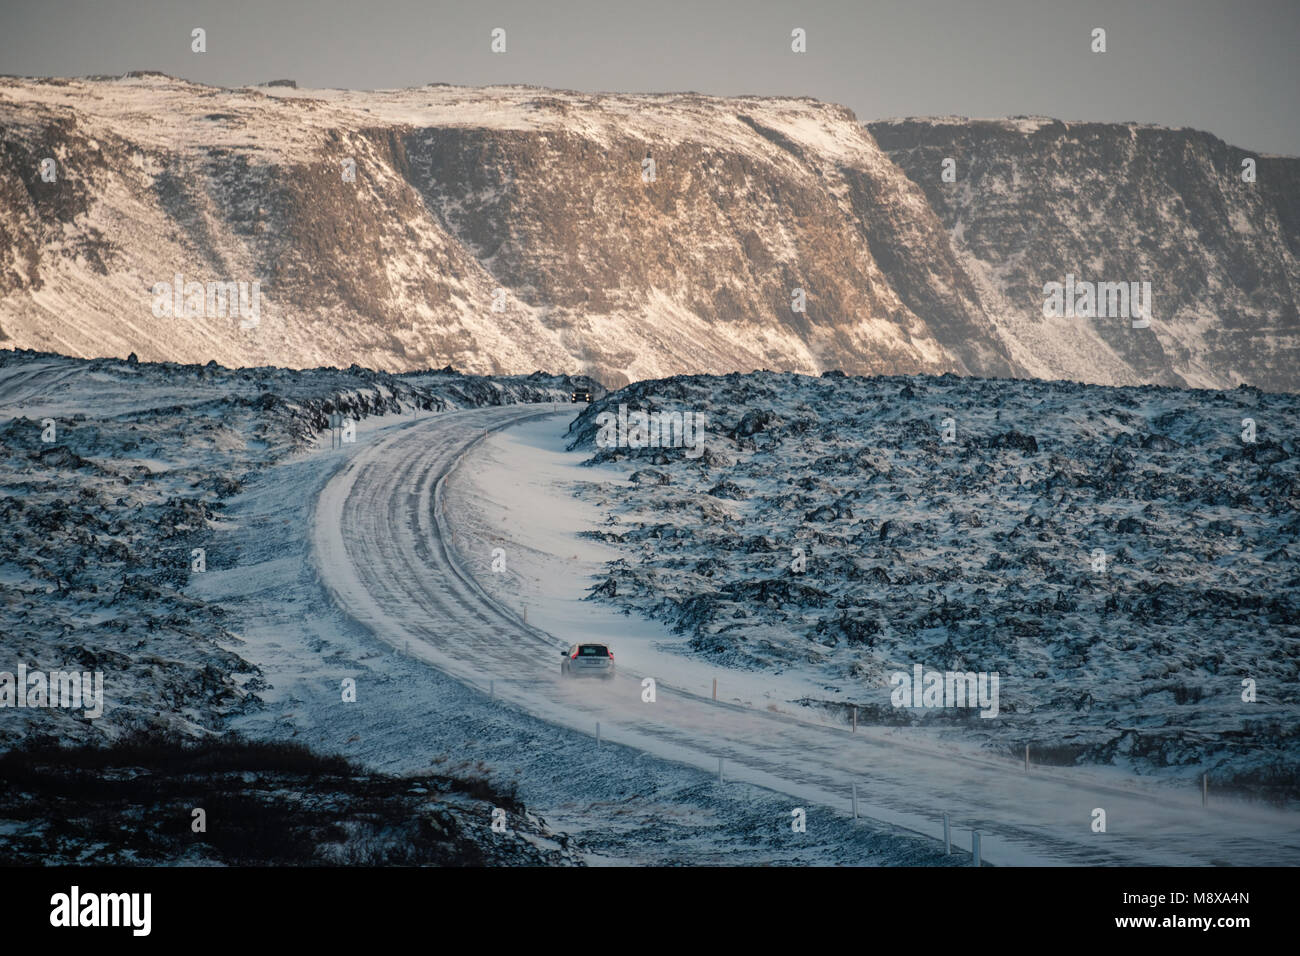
385,551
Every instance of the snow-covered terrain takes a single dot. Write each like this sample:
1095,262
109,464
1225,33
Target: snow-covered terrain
505,229
975,555
372,562
408,552
100,523
247,453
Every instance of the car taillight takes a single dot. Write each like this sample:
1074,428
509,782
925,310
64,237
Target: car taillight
611,655
573,656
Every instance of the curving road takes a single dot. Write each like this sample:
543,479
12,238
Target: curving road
386,551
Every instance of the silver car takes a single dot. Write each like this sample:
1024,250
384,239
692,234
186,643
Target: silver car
587,660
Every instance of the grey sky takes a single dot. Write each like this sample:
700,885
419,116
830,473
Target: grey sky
1227,67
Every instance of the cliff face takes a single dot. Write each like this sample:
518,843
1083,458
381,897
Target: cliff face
1035,200
509,229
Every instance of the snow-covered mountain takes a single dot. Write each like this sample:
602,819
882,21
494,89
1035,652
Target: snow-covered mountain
512,228
1035,199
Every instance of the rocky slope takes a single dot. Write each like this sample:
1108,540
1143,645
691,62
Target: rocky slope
459,193
1035,199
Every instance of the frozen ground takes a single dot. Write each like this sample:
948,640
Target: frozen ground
98,525
373,562
400,547
381,554
523,492
970,555
255,644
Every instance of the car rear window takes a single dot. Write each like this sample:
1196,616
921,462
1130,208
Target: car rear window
593,650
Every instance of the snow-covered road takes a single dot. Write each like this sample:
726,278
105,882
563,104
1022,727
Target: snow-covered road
384,547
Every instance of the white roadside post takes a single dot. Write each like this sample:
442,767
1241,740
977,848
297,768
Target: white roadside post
1205,789
855,718
947,836
1026,758
719,770
598,735
715,688
855,801
975,847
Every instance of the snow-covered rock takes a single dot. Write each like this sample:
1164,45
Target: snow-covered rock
848,539
537,202
101,525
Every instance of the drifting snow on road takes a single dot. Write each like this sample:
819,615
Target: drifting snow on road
370,561
389,548
380,546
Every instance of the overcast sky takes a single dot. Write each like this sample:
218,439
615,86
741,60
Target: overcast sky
1228,67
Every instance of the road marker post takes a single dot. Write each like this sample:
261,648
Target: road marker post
855,719
855,801
719,770
715,688
598,735
947,836
975,847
